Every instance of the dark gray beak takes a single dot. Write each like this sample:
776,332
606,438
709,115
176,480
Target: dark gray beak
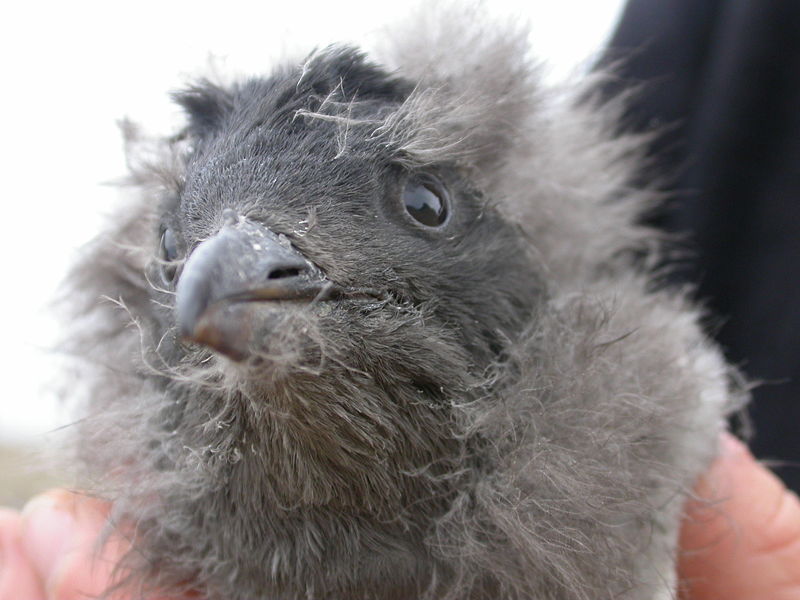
243,263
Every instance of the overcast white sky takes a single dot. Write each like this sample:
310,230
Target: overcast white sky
72,69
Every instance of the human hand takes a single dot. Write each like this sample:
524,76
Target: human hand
741,541
49,552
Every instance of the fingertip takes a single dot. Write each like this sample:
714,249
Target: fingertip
83,573
49,531
59,532
88,566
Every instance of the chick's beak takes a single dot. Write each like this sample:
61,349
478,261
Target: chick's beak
243,263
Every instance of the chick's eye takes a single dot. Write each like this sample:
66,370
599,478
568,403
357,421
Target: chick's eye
169,246
426,200
169,254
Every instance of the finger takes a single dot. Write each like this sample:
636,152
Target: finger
60,532
18,578
86,571
741,539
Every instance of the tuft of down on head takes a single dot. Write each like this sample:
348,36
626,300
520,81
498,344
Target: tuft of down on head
502,404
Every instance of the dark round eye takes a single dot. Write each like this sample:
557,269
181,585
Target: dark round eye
169,254
426,200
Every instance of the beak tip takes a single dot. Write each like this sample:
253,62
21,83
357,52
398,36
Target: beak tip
213,331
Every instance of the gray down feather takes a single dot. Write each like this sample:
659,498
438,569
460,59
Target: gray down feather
389,327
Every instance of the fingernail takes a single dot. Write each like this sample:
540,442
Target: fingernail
49,532
732,447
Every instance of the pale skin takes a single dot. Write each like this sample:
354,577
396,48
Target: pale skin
740,540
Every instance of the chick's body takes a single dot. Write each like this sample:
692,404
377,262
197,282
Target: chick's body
396,337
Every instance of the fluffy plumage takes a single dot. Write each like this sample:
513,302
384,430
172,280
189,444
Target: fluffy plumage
506,406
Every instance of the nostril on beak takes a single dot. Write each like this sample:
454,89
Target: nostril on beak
285,272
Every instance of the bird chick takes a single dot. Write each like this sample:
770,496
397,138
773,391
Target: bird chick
388,328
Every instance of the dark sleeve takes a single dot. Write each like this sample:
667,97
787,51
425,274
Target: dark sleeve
720,79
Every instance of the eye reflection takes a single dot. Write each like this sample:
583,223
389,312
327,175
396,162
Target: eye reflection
426,200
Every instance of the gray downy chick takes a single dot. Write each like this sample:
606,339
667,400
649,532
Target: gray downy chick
389,328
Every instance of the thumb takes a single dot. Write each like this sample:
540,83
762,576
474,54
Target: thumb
740,538
59,533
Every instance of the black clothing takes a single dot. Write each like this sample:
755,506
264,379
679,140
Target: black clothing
721,80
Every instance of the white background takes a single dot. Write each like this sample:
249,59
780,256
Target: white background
70,70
